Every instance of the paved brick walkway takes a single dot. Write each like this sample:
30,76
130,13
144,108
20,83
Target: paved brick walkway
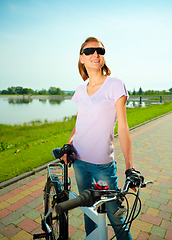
21,203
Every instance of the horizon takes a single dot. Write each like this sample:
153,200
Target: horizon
36,90
40,42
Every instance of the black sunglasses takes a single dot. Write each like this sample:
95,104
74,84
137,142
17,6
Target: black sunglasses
89,51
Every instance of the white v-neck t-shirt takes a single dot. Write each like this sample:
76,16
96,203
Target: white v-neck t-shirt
96,121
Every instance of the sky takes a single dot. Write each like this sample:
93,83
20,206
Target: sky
40,41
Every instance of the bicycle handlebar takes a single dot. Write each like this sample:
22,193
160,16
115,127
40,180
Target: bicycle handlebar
128,184
88,198
84,199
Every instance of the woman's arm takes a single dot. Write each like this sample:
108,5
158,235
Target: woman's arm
72,136
123,131
70,142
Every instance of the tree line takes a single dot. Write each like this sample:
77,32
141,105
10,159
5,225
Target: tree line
150,92
21,91
57,91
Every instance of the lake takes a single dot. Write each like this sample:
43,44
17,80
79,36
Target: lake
23,110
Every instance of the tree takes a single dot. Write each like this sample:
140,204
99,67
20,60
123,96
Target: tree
140,91
52,90
19,90
11,90
55,91
134,92
42,92
4,92
28,91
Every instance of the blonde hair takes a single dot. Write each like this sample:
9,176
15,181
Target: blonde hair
82,70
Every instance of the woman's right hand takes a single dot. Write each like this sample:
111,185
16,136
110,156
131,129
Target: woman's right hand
64,158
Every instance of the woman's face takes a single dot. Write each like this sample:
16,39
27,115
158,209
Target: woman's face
94,61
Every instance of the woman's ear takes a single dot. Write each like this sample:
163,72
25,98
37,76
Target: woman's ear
81,59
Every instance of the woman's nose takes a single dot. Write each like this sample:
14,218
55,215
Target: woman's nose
95,53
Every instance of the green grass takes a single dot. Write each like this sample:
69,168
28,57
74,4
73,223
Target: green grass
23,148
140,115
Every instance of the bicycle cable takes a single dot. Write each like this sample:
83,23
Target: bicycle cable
133,209
129,217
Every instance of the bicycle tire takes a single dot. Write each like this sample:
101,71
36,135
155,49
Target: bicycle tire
55,221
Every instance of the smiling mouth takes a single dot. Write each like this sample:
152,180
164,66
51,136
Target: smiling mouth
95,61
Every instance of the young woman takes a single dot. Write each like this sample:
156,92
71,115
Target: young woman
101,101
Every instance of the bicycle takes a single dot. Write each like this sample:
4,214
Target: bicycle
57,193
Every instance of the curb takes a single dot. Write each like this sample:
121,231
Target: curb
38,169
24,175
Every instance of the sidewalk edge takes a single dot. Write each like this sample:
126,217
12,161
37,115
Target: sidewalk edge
24,175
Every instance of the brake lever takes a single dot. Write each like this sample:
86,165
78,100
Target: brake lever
102,201
146,183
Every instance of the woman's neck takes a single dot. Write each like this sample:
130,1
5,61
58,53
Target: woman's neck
96,79
95,82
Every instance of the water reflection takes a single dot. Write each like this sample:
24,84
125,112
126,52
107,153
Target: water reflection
129,104
56,101
43,101
132,104
19,101
29,100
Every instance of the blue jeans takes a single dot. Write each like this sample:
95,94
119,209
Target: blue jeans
85,174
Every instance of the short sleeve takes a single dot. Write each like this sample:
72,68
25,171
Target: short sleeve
118,90
75,97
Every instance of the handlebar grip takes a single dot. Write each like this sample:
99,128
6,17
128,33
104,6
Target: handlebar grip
85,199
67,205
56,153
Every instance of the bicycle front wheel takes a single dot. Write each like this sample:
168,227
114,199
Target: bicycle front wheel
54,220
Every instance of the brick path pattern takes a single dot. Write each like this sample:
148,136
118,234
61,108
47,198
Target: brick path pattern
21,203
